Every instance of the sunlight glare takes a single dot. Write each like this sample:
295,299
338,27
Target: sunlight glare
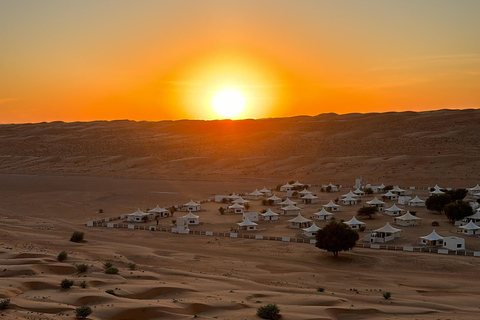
229,103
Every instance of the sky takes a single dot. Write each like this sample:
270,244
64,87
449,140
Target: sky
170,59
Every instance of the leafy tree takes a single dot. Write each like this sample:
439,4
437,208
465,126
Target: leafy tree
107,264
388,188
77,236
66,283
387,295
368,191
83,311
367,212
329,189
221,210
81,267
111,270
269,311
4,304
62,256
458,210
336,237
457,194
437,202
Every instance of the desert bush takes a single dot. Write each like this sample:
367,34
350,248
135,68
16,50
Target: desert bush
435,224
77,236
4,304
83,311
132,266
110,291
100,210
81,267
62,256
111,270
387,295
269,311
83,285
320,289
66,283
107,265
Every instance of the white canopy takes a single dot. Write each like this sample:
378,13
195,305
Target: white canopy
297,184
388,229
353,221
394,208
191,203
358,191
323,212
417,200
299,219
437,191
381,186
389,194
236,206
256,193
265,190
312,228
349,194
375,201
288,185
246,223
331,205
331,185
240,200
397,189
287,202
233,196
291,207
437,187
349,198
309,196
269,213
304,191
190,216
157,209
408,216
432,236
475,216
476,188
274,198
470,226
138,213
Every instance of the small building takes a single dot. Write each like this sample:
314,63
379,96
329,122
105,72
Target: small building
454,243
233,197
470,229
416,202
266,192
298,184
394,210
236,208
159,212
191,206
354,224
274,200
475,218
304,192
269,215
287,202
384,234
256,195
390,196
323,215
181,226
311,232
191,219
309,198
286,187
349,201
359,193
138,216
247,225
349,194
333,188
474,190
376,203
331,206
407,220
433,239
252,216
241,201
398,191
404,200
290,210
299,222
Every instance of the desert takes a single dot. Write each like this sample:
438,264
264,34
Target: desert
55,177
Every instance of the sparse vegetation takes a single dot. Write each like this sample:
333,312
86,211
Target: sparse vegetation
368,191
83,311
81,267
269,311
336,237
62,256
66,283
387,295
83,285
100,210
221,210
77,236
132,266
107,264
320,289
111,270
367,212
110,291
435,224
4,304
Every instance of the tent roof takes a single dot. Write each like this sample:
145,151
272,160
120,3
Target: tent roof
190,215
389,194
269,213
375,201
331,205
138,213
288,185
236,206
470,226
256,193
349,194
417,199
304,191
331,185
476,188
398,189
157,209
234,196
476,215
408,216
432,236
381,186
274,198
246,223
288,201
299,219
291,207
191,203
265,190
358,191
297,184
312,228
394,208
349,198
354,221
323,212
309,196
240,200
437,191
388,229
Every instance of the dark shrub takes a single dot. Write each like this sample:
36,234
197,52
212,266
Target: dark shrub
65,284
269,311
77,236
81,267
111,270
62,256
83,311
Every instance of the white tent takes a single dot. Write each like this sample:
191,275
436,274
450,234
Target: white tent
433,239
376,203
394,210
436,192
390,195
191,218
398,190
138,216
470,229
191,206
270,215
233,196
266,191
359,193
247,225
287,202
323,215
348,201
290,210
350,194
304,192
236,208
384,234
475,189
333,188
286,187
299,222
161,212
275,199
240,201
407,219
297,184
256,194
331,206
416,202
311,231
475,218
309,198
354,223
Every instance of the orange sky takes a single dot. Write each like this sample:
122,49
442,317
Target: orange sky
156,60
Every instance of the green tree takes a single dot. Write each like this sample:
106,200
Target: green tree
77,236
388,188
336,237
457,194
83,311
368,191
269,311
458,210
437,202
367,212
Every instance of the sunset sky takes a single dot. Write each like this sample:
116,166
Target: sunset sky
158,60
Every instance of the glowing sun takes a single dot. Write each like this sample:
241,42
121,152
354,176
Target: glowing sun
228,103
